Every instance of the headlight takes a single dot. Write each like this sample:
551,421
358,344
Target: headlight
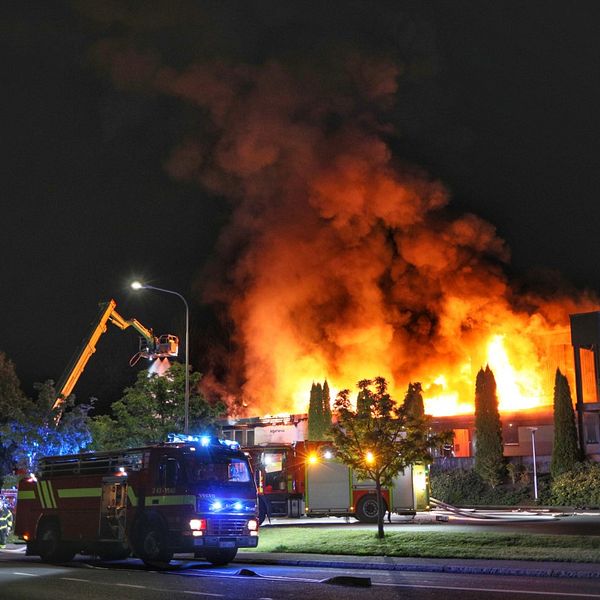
198,524
252,525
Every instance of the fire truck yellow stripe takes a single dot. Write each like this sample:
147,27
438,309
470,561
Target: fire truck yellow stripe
170,500
51,494
42,494
26,495
131,496
47,494
80,492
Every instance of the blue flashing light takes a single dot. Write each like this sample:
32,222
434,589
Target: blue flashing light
204,440
230,444
216,505
238,506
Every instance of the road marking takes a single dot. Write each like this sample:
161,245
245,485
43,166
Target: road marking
26,574
496,590
201,593
75,579
131,585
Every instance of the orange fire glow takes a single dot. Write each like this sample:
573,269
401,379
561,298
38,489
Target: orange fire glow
340,263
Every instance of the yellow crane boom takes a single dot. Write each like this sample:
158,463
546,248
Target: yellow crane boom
150,347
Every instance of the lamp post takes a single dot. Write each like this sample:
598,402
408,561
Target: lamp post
535,486
136,285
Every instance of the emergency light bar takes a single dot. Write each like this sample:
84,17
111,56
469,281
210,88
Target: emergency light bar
203,440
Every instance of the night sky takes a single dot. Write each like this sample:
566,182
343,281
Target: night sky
500,103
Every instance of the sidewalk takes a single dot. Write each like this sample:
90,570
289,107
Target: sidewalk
432,565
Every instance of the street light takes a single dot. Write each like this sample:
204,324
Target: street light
137,285
535,487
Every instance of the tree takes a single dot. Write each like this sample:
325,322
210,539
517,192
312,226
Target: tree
565,452
315,412
381,439
153,408
13,406
327,416
41,431
489,457
413,401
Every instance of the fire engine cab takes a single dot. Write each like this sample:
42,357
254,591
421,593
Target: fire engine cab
189,495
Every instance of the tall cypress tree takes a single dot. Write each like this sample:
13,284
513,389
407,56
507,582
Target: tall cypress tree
489,458
363,407
326,410
315,412
413,401
565,452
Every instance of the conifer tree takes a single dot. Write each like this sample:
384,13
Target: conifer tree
413,401
565,452
326,410
315,412
362,403
489,458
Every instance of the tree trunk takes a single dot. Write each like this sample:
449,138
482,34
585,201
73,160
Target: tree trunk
381,512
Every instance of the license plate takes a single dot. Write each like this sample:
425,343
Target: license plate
226,544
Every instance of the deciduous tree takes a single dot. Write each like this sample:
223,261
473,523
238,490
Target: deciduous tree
381,439
40,432
153,408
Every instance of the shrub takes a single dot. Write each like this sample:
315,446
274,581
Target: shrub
467,488
458,487
579,487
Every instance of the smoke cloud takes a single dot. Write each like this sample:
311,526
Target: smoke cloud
340,261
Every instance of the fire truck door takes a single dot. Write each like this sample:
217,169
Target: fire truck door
113,510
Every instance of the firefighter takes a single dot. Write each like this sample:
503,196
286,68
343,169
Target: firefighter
6,521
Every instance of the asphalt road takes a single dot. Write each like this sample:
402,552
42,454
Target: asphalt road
27,578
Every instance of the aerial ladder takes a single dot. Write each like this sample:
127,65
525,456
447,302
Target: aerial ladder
151,347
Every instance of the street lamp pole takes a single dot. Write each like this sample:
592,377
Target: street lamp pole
136,285
535,486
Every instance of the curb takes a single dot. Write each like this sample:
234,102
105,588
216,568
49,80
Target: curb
431,568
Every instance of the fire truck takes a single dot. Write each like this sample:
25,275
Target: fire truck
189,495
305,479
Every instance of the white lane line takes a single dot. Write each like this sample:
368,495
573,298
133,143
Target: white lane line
495,590
130,585
76,579
201,593
26,574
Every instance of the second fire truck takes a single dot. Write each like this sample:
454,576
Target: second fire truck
306,479
192,495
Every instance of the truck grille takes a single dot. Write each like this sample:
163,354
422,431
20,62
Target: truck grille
225,526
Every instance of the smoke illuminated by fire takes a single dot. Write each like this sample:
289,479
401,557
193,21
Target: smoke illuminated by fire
341,262
350,267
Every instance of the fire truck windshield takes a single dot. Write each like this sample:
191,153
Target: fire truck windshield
221,469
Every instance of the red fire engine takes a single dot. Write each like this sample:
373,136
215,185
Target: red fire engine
192,494
306,479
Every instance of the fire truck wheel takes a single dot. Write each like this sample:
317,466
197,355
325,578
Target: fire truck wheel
221,556
153,548
367,509
50,546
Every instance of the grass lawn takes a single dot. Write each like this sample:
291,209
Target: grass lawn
442,544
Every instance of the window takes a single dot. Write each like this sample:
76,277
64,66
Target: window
510,434
590,426
169,472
